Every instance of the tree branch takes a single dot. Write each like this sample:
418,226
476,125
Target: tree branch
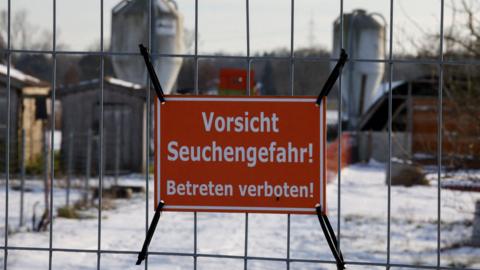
470,23
467,47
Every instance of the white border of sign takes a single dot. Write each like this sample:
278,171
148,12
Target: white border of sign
239,208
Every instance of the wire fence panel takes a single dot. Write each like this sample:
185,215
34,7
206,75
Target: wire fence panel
80,197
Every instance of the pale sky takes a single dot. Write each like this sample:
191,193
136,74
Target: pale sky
222,23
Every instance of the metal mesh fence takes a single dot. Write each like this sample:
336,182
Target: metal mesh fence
72,164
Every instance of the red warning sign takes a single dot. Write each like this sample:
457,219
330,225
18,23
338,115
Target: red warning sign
240,154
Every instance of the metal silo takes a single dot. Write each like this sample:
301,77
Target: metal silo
130,27
363,38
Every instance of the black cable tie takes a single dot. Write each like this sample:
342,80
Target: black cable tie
151,230
153,74
332,78
330,236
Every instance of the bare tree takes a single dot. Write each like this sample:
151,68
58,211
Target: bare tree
24,34
463,35
462,87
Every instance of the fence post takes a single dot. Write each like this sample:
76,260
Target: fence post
22,177
117,155
69,167
88,165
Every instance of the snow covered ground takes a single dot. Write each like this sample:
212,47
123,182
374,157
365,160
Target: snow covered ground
363,230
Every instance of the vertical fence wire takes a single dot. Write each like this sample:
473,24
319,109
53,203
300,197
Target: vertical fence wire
288,241
292,52
52,138
249,92
245,251
439,134
195,240
247,19
195,57
339,137
389,163
100,164
7,140
195,216
292,93
150,24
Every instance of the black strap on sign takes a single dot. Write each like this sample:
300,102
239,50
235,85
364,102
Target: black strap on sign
330,236
151,230
323,218
158,90
332,78
153,75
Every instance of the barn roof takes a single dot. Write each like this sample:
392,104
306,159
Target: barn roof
375,117
20,79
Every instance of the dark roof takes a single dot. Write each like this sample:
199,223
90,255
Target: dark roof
376,116
110,83
130,6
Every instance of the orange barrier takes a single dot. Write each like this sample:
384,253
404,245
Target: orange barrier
332,155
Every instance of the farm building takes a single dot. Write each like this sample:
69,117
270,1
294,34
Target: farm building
415,126
124,125
28,114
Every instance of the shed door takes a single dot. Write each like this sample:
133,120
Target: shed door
119,151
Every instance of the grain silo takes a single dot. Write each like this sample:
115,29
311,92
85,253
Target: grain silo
130,27
363,38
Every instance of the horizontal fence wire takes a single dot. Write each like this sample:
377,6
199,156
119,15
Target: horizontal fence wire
237,257
10,161
462,62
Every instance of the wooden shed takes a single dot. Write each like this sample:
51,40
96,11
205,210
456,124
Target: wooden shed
26,94
124,125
